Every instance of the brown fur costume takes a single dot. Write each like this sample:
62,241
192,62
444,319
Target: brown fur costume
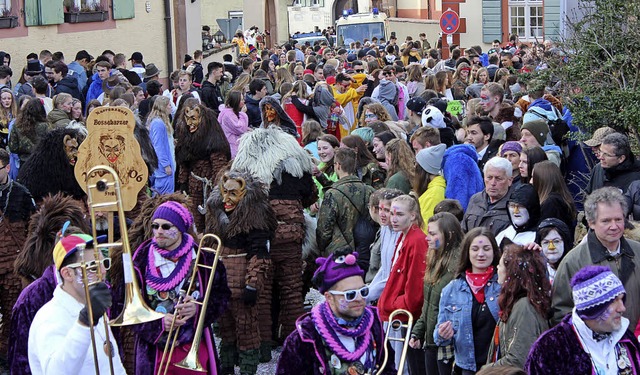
48,220
506,113
203,153
245,230
139,231
277,159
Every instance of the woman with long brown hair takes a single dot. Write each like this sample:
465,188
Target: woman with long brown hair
444,235
525,306
30,127
555,199
400,165
367,167
468,309
460,81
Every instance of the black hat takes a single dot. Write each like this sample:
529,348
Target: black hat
151,70
136,56
417,105
33,67
187,58
83,54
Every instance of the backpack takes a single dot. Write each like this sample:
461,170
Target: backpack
364,233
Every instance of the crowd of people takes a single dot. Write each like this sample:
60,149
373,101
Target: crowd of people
345,184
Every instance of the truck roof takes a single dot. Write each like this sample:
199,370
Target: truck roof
361,18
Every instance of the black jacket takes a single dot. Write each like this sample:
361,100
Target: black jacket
131,76
69,85
620,176
492,151
211,96
253,111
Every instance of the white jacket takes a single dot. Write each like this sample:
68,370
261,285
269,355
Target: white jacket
58,344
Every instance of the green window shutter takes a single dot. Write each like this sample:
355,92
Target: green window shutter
123,9
491,20
51,12
31,12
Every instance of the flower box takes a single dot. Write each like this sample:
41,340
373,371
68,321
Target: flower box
79,17
8,22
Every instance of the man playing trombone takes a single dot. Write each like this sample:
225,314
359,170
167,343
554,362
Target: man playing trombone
341,335
165,265
60,340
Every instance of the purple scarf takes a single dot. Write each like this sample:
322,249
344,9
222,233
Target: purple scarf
183,255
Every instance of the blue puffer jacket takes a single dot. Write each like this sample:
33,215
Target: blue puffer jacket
456,302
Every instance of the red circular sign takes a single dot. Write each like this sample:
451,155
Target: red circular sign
449,22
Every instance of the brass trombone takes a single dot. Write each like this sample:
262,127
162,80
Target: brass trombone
85,281
191,361
396,324
135,310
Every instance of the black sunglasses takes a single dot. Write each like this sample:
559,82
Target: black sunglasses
359,70
165,226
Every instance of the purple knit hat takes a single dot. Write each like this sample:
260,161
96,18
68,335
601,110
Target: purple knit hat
594,288
176,214
511,146
335,268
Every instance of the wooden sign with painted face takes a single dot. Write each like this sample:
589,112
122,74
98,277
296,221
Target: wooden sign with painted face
111,143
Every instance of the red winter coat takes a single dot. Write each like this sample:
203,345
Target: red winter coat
404,289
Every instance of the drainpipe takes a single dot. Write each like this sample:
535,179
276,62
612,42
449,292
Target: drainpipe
169,35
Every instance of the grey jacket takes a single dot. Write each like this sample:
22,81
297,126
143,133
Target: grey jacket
478,214
592,252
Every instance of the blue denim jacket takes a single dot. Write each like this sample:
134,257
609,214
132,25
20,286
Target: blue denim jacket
455,305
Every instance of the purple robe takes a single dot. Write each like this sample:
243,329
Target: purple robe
31,299
150,336
558,351
304,350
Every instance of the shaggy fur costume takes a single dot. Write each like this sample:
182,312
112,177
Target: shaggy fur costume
204,153
139,231
48,171
275,158
286,123
267,153
44,224
245,230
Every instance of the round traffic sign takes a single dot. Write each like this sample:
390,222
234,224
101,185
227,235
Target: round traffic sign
449,22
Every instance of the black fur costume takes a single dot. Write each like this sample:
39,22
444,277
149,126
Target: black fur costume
16,206
48,171
276,158
246,231
204,153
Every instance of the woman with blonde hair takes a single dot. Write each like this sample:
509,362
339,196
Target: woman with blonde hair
404,288
161,134
242,83
60,115
400,165
8,113
282,75
373,112
479,79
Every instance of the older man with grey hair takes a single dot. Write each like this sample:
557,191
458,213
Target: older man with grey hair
604,245
488,208
618,166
